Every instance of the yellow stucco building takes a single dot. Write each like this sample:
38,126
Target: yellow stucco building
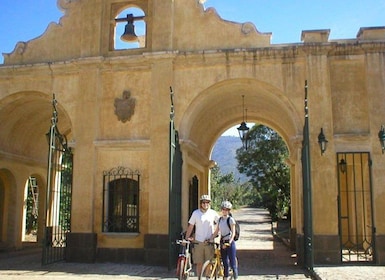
131,188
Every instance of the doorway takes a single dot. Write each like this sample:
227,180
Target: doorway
193,194
31,210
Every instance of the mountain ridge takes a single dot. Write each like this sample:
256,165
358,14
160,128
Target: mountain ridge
224,154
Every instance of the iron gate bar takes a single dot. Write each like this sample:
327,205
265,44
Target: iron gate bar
307,194
57,219
175,188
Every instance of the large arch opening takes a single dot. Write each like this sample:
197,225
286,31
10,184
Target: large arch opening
26,119
219,107
33,209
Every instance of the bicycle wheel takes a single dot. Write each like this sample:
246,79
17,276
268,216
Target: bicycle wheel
209,271
181,268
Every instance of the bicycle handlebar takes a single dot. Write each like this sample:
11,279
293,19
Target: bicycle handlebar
216,244
212,243
182,241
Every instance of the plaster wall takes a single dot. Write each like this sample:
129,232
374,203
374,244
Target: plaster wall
210,63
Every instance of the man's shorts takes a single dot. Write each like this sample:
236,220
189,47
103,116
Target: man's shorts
202,252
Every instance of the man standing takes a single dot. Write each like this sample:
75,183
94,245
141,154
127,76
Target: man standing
204,220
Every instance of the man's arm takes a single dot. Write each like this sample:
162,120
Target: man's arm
189,231
215,233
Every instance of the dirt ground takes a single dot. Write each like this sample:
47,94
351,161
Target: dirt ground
260,253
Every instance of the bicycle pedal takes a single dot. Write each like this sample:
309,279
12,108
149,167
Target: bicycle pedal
191,274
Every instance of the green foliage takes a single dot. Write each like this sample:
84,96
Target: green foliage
225,187
65,198
31,216
66,192
264,162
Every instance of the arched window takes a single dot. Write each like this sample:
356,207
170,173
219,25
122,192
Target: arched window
31,210
130,29
121,200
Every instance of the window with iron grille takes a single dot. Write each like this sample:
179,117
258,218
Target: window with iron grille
121,200
355,207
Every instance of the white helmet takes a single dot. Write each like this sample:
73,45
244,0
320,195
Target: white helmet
205,197
226,204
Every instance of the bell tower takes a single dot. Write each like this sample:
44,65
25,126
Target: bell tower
127,27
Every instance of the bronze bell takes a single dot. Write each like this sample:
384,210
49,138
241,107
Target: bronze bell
129,33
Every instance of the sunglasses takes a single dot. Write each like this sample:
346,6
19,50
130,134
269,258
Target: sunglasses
205,202
226,209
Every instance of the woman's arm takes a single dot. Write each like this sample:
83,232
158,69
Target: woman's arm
232,226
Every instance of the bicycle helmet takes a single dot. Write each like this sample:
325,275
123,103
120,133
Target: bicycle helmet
205,197
226,204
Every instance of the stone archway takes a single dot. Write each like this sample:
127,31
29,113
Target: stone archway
25,118
219,107
40,183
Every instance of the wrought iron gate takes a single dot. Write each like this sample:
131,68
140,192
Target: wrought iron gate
356,227
59,194
175,191
307,192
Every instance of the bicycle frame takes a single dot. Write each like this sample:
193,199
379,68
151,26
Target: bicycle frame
184,265
213,269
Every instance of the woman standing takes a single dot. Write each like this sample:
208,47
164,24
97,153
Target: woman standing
226,227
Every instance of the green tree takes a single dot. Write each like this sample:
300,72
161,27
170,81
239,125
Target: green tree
264,162
31,215
66,191
225,187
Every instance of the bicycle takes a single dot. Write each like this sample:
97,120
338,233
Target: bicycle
213,269
184,264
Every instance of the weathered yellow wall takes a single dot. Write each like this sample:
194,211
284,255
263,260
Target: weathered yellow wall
210,63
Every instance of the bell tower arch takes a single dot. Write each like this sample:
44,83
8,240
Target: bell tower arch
127,27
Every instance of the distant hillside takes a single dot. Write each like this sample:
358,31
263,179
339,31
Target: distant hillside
224,154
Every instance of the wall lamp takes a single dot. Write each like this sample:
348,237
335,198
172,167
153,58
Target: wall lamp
381,136
243,130
342,165
322,141
129,31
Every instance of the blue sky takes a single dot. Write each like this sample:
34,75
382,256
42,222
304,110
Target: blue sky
23,20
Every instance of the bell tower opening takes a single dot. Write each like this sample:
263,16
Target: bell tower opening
128,28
